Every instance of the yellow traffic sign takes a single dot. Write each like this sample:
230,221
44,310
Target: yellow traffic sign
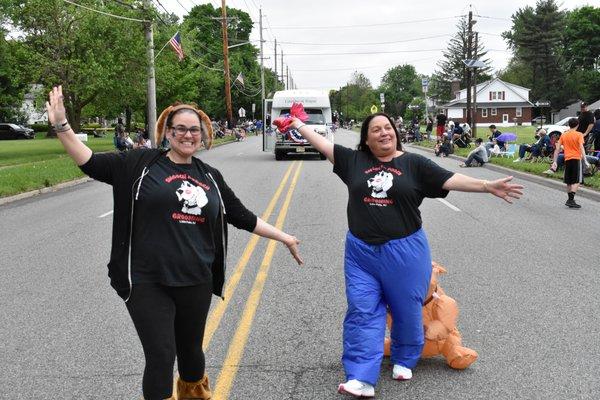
373,109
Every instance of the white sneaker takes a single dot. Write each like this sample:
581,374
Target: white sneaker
518,160
401,373
357,388
548,172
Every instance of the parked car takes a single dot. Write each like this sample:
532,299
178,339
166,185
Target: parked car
14,131
560,127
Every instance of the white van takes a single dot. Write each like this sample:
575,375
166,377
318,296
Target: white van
317,106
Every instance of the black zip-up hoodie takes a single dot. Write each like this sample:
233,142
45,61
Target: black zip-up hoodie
125,171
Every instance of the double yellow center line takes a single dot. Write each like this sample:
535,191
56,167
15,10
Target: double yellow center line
236,348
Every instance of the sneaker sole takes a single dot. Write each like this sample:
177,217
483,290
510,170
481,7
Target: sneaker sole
401,378
343,390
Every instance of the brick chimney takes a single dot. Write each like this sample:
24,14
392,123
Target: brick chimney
454,88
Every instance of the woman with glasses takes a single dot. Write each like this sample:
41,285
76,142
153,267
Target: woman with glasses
169,240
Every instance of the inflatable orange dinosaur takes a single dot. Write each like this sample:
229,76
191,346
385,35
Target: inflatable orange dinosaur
440,314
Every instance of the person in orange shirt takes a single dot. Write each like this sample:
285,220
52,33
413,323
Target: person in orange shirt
572,143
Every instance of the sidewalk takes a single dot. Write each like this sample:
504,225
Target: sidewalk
548,182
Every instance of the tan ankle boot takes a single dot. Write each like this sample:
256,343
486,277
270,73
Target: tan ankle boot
193,390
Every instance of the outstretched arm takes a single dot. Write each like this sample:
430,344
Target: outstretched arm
267,230
499,188
78,151
319,142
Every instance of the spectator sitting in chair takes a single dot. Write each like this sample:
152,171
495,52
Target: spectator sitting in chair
457,132
478,154
542,143
494,150
494,134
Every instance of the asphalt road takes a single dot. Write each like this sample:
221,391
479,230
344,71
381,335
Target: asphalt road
524,275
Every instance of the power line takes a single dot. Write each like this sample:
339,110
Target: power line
499,19
369,25
361,52
181,5
367,44
105,13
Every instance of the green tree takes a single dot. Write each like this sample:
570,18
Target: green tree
581,51
400,85
354,100
13,81
536,40
451,66
90,54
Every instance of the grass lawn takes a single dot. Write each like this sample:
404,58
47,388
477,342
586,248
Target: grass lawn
33,164
525,134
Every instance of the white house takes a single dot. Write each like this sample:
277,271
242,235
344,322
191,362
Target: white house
498,102
35,112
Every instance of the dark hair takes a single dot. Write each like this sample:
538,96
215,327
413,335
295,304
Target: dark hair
492,126
364,131
573,122
169,122
479,140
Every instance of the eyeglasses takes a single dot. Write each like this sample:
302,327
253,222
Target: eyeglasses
181,130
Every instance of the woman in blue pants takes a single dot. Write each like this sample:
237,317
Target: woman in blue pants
387,260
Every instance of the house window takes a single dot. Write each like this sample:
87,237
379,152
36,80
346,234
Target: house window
519,112
484,112
494,111
492,95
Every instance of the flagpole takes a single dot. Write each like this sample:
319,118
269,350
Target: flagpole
157,54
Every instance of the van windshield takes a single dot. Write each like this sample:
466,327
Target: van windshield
315,115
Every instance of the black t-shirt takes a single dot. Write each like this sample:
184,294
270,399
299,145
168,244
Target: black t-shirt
174,220
384,197
585,119
441,119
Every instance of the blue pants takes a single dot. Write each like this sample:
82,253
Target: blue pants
394,274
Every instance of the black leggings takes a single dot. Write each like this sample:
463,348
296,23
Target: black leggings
170,321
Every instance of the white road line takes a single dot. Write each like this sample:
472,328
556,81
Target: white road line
105,214
448,204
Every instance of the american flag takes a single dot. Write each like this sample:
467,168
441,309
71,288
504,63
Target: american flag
175,43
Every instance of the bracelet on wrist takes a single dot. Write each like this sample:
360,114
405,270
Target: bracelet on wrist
485,186
300,126
63,128
60,126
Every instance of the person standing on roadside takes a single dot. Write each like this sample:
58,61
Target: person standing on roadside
169,240
572,143
585,125
387,259
440,124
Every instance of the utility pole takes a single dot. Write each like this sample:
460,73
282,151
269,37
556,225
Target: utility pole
287,76
467,70
474,127
282,81
262,74
276,57
151,87
226,66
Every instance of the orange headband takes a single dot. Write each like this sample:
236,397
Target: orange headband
161,124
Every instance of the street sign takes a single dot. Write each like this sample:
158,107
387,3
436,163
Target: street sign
474,63
542,103
382,97
373,109
242,112
253,108
425,82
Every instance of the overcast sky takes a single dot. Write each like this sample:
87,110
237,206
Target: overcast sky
322,40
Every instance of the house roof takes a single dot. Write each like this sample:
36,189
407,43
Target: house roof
487,104
485,85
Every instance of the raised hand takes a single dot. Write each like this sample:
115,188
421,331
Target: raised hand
505,190
55,106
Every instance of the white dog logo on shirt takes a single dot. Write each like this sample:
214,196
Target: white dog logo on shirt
193,197
380,184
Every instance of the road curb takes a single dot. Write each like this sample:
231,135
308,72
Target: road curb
49,189
548,182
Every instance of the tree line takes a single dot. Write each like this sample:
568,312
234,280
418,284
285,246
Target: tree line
101,60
